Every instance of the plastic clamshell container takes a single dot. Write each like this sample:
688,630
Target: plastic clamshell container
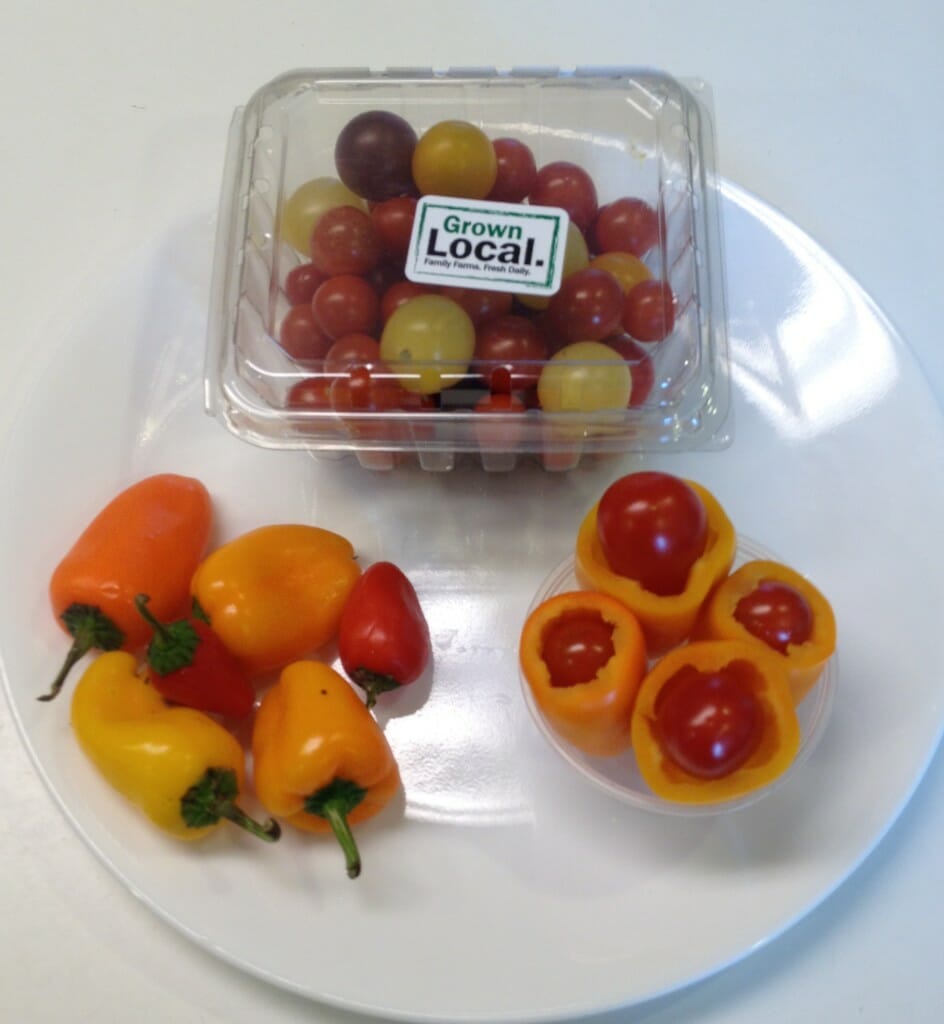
637,133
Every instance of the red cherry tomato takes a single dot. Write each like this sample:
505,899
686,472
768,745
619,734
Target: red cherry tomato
374,153
777,614
345,242
310,393
302,282
568,186
383,638
709,723
481,305
587,307
393,222
398,295
626,225
300,336
345,305
653,528
509,353
517,171
501,436
641,368
649,311
350,351
576,646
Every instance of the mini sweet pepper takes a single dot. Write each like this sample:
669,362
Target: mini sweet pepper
275,594
320,760
178,765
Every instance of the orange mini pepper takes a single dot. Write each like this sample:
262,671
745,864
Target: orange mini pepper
149,539
275,594
771,736
321,761
804,662
666,621
583,656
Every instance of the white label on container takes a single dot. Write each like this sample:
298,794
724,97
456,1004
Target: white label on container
502,247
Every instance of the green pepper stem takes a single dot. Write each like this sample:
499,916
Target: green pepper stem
90,629
334,803
77,652
141,602
268,832
373,684
212,797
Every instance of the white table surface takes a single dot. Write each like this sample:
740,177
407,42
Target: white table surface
830,112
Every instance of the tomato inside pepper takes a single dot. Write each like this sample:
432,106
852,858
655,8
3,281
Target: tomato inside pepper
583,656
769,603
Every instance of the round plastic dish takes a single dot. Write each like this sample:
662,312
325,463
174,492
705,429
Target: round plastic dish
619,776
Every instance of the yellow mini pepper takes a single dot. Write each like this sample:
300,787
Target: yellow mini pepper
178,765
275,594
320,760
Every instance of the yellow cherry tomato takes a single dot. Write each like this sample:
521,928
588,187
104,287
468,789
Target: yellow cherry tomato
428,343
305,206
576,257
587,376
454,158
628,269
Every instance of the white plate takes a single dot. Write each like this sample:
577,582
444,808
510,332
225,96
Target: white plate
503,887
620,777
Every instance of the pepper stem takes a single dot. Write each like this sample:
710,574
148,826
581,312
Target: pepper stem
141,603
373,684
334,803
90,629
213,797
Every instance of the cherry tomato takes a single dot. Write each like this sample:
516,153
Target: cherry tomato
576,257
568,186
586,376
345,305
576,645
709,723
344,242
310,393
587,307
383,637
302,282
398,294
385,275
428,342
393,222
517,171
300,336
510,353
640,365
626,225
649,311
777,614
481,305
628,269
305,206
374,153
454,158
366,389
504,435
350,351
652,528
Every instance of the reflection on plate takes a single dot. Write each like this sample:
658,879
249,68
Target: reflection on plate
500,887
619,777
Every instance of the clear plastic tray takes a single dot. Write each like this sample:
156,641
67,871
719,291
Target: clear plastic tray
637,133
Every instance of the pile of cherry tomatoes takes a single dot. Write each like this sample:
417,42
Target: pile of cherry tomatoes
372,341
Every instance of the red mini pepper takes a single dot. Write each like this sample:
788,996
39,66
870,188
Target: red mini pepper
383,639
188,664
